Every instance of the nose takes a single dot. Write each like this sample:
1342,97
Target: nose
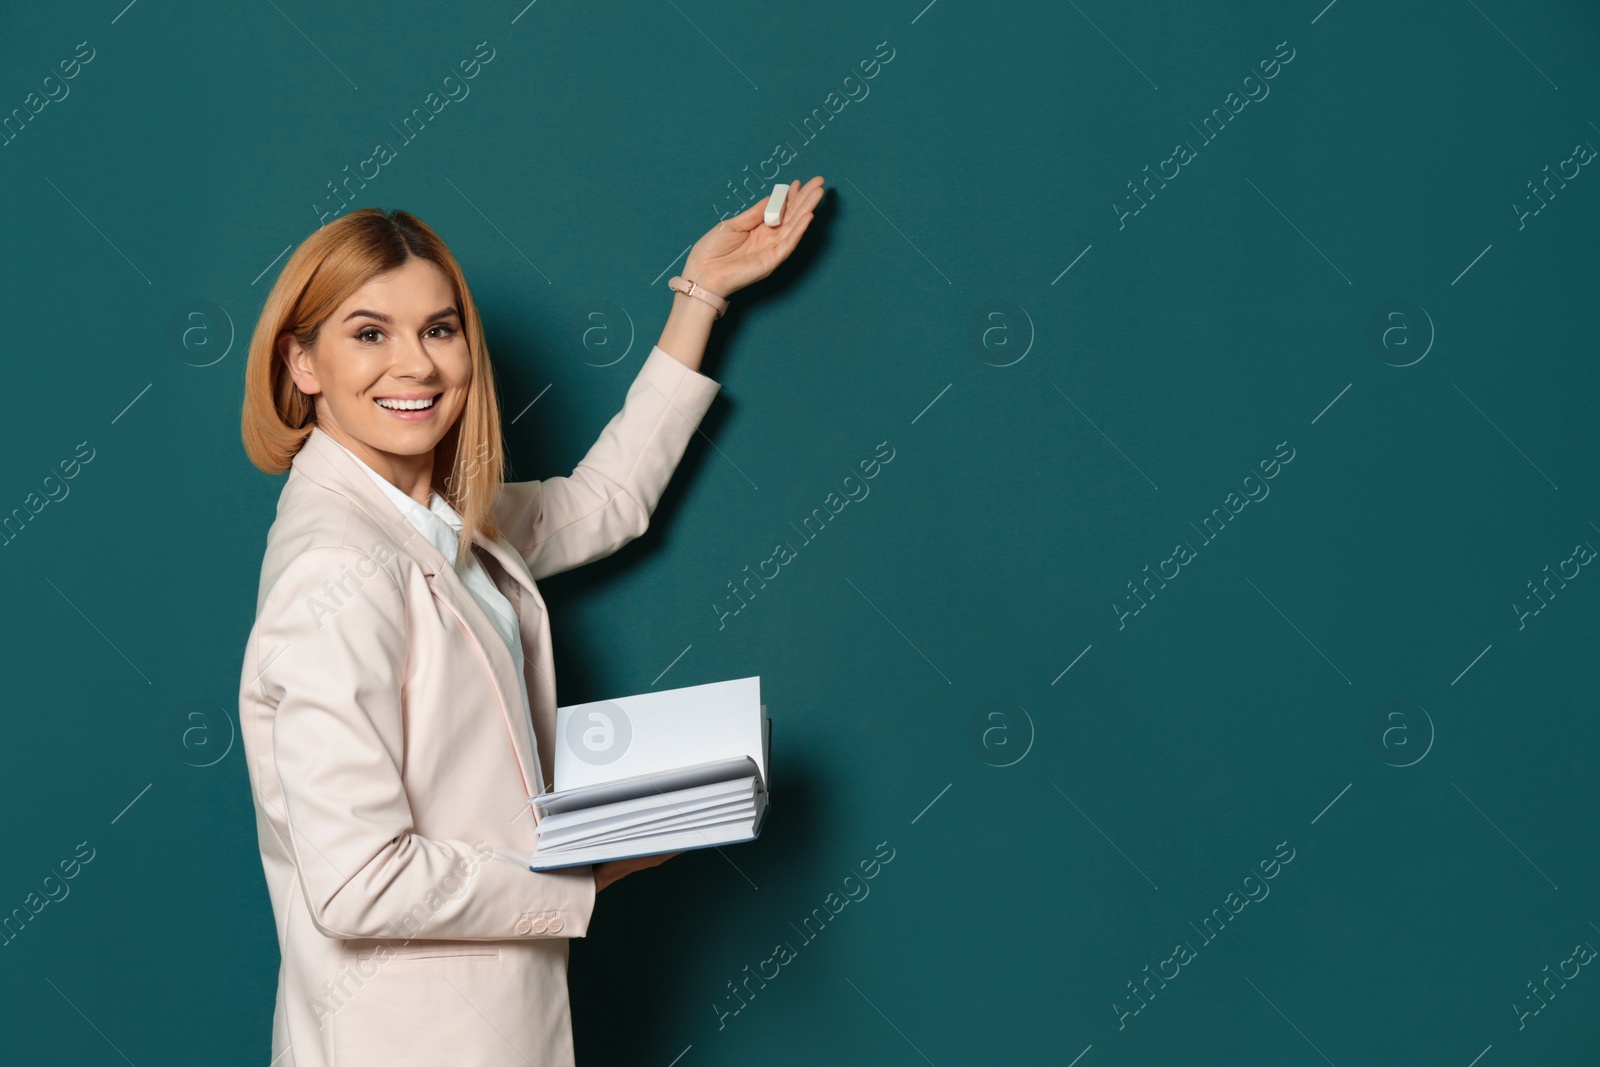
412,360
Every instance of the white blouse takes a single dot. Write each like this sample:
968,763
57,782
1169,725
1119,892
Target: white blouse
441,525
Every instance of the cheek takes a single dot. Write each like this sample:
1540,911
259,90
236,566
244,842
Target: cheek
351,376
462,378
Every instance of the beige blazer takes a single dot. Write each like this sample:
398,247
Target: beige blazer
391,762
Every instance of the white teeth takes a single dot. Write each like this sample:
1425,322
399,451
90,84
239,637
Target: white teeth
408,405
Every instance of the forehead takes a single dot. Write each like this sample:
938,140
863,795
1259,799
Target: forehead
415,290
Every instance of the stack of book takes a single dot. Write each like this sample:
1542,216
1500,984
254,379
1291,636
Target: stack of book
667,771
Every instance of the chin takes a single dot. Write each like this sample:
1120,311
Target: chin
407,445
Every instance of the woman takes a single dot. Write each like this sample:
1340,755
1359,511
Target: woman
397,699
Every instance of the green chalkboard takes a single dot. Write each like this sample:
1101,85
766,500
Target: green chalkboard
1206,672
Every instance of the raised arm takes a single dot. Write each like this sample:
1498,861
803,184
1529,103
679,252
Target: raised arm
337,748
564,522
607,501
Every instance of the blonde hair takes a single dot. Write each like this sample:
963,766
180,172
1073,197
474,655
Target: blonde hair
336,260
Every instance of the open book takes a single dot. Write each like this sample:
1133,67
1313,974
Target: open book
659,772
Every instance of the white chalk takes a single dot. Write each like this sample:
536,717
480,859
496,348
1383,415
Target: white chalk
774,212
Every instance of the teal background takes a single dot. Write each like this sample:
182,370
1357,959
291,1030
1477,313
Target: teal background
1343,671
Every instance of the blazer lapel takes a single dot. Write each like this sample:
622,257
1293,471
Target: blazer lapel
519,588
324,462
503,551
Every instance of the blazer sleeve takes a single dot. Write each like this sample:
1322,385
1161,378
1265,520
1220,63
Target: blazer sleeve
335,679
563,522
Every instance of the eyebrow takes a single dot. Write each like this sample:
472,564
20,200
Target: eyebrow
442,313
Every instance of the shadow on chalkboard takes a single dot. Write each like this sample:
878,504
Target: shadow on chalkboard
645,981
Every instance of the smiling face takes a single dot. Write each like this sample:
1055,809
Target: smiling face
389,372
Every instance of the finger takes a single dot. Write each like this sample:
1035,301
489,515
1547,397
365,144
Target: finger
813,192
799,206
801,209
802,198
807,197
791,237
752,215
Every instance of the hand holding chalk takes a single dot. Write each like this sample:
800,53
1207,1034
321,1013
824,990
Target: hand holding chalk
738,251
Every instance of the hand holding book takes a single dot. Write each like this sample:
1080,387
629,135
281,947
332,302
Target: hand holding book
614,870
